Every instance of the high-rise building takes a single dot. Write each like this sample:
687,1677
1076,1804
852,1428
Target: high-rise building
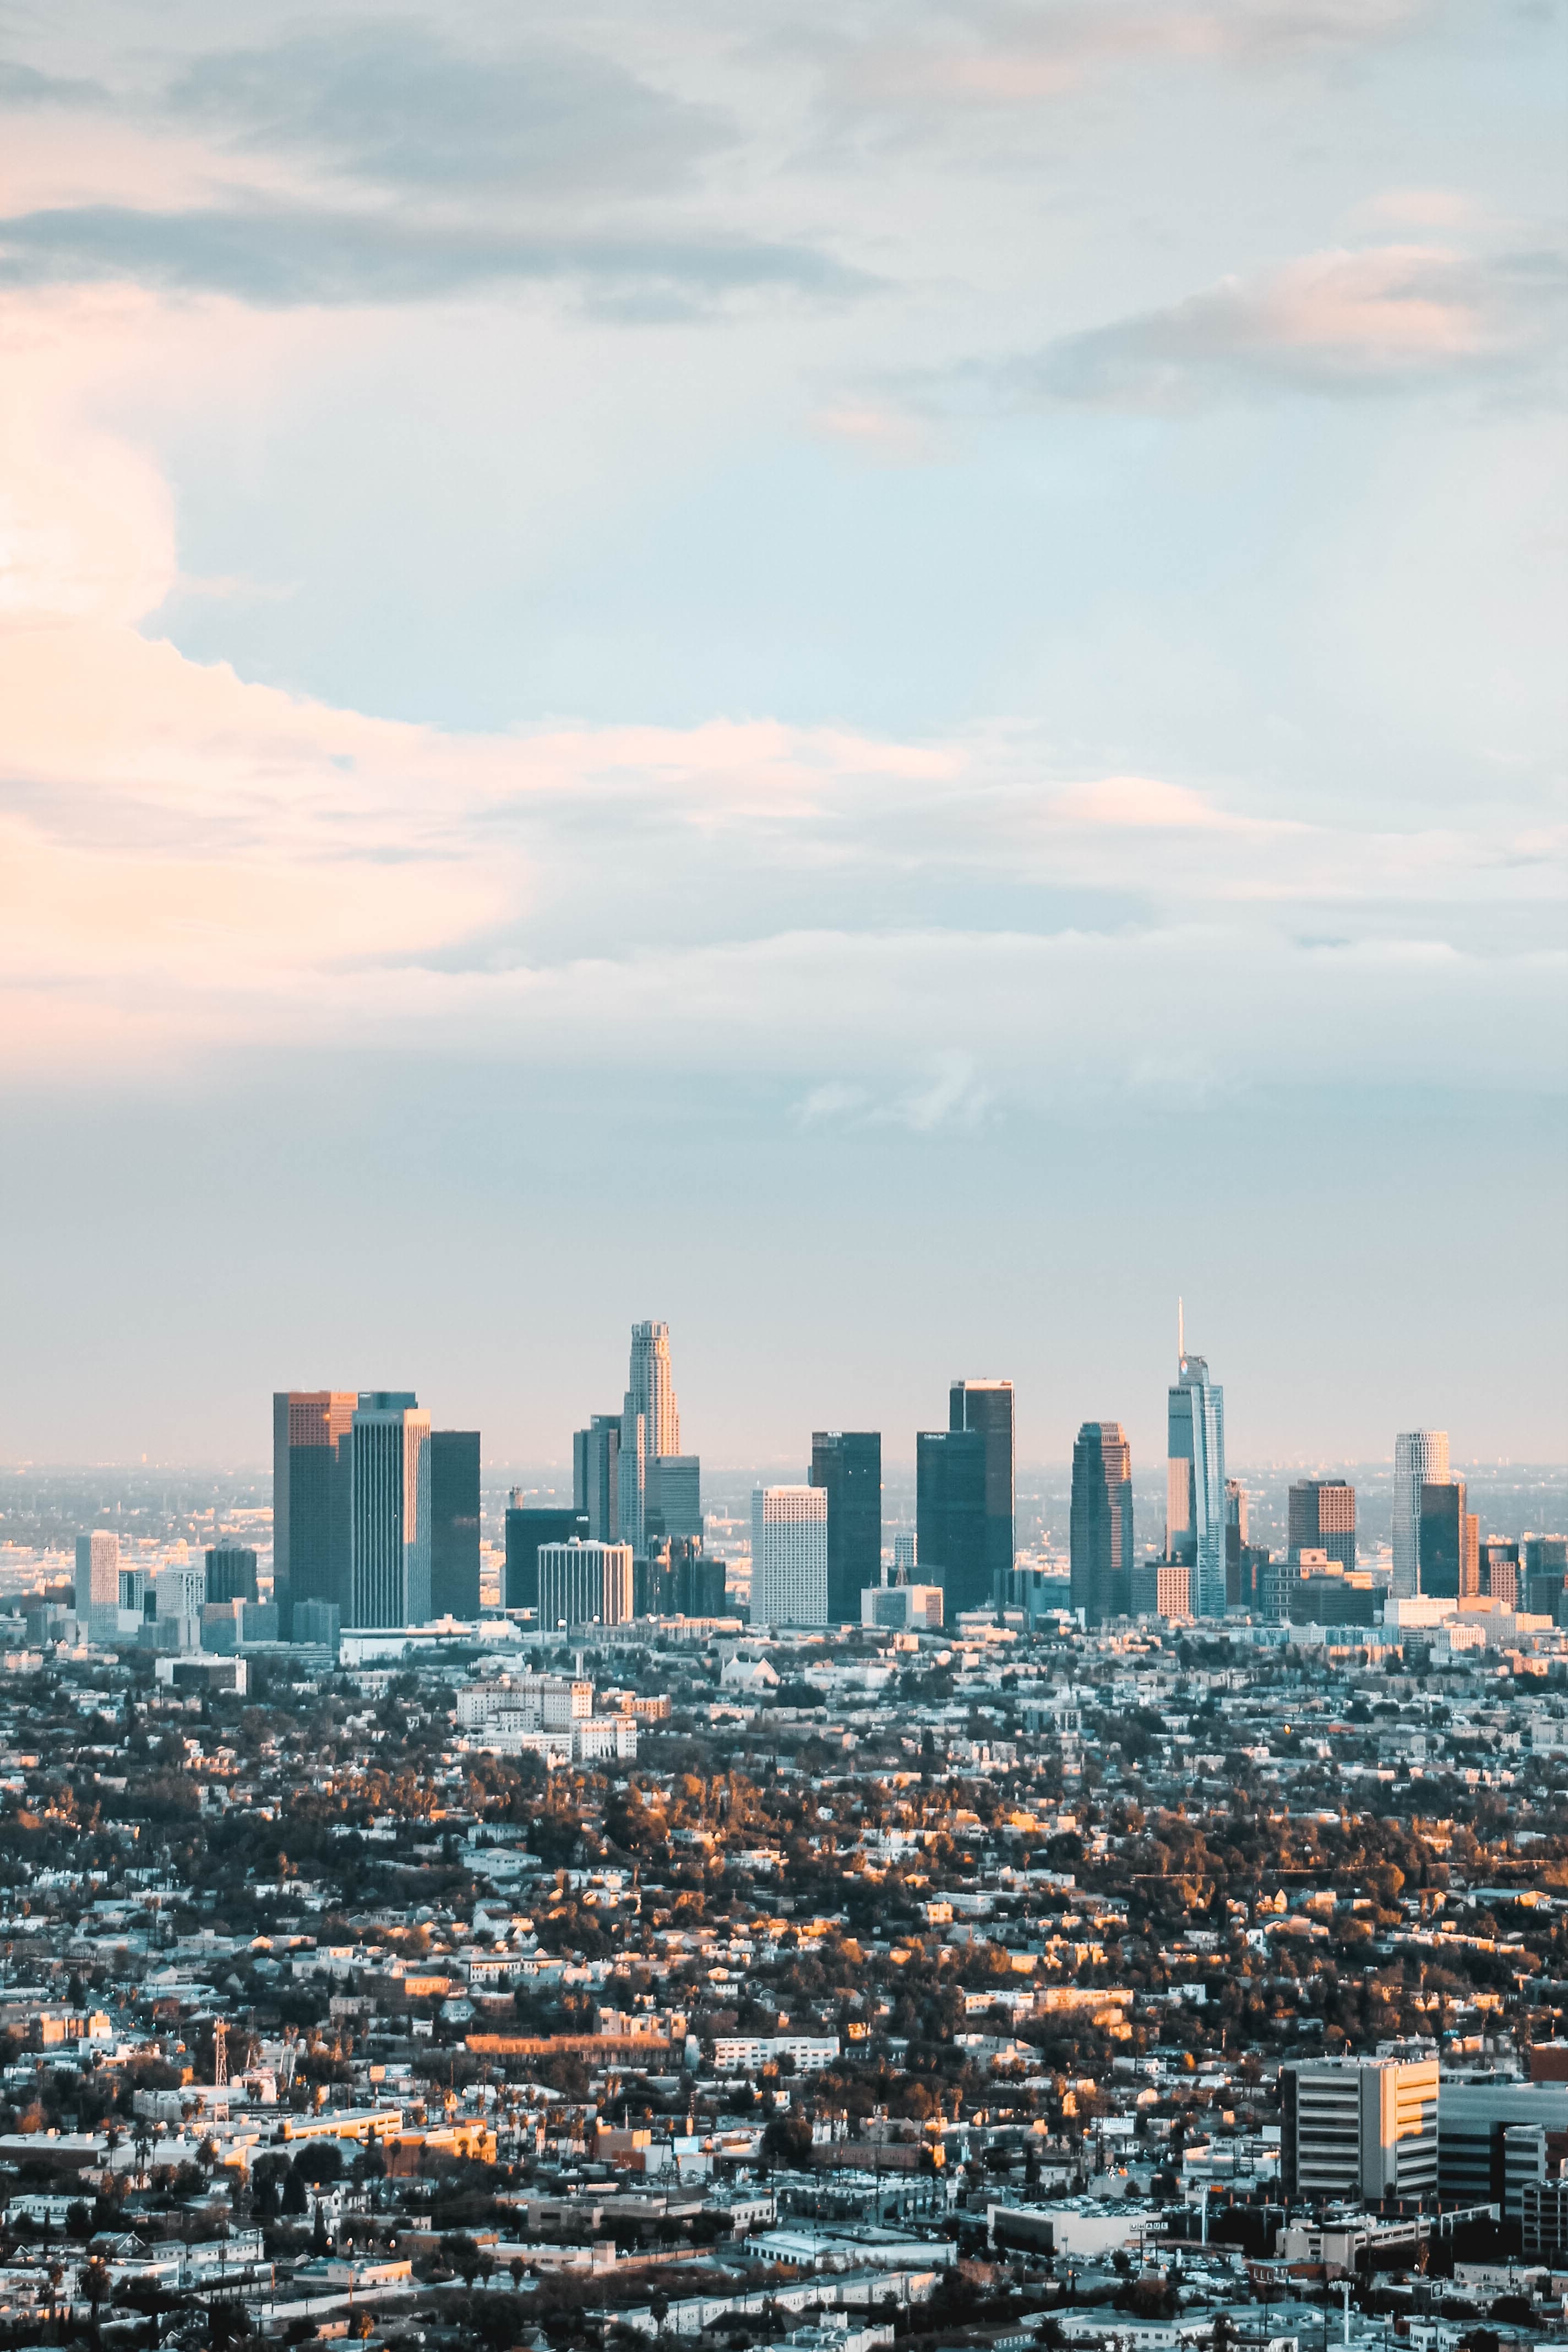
231,1573
1449,1542
988,1406
1546,1575
1358,2127
1237,1500
1322,1518
847,1464
673,1501
455,1523
902,1608
789,1556
650,1424
1195,1483
906,1556
389,1510
1101,1524
1420,1459
1489,2135
526,1530
950,1517
1502,1571
595,1475
584,1584
1160,1588
98,1584
311,1479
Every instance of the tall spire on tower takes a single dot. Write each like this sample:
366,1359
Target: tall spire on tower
1181,1337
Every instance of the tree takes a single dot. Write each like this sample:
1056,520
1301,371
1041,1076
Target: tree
787,2139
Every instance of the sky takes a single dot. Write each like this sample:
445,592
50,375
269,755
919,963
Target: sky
883,680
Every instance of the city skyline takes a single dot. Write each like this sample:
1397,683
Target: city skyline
812,671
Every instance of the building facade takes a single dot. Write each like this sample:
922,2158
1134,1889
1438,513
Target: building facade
1195,1483
950,1516
584,1583
455,1523
789,1556
902,1608
986,1407
1322,1518
847,1464
98,1584
231,1573
1101,1522
389,1510
525,1530
1358,2127
1449,1543
650,1425
1492,2139
310,1476
1420,1459
673,1506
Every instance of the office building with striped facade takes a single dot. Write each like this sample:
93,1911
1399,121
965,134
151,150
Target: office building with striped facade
584,1584
789,1556
1358,2127
389,1510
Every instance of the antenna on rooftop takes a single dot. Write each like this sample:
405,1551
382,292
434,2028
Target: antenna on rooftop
220,2052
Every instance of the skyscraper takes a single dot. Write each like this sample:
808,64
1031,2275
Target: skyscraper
311,1474
1322,1518
650,1424
595,1475
526,1530
1449,1564
1420,1458
584,1584
230,1574
1358,2127
950,1517
847,1464
1236,1544
389,1510
988,1406
789,1556
1195,1483
98,1584
455,1523
1101,1527
673,1500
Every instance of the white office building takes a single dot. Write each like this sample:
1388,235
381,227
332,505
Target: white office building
389,1511
584,1584
1358,2127
789,1556
1420,1458
98,1584
905,1608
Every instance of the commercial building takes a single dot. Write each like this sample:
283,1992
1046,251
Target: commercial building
1236,1501
673,1504
902,1608
847,1464
455,1523
1358,2127
950,1514
1449,1543
1492,2139
1420,1458
650,1425
584,1583
595,1477
231,1573
310,1477
1101,1522
789,1556
1195,1483
526,1528
1502,1572
1543,2220
98,1584
986,1407
1160,1588
389,1510
1321,1519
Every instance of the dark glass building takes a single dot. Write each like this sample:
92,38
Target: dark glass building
455,1523
985,1407
950,1517
1449,1542
848,1464
231,1573
1100,1527
1322,1518
525,1531
311,1470
595,1475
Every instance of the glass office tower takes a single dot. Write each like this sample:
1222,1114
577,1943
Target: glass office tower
455,1523
848,1464
1195,1483
311,1499
1100,1536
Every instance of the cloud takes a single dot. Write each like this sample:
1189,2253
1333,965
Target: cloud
25,86
282,254
1388,318
397,106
